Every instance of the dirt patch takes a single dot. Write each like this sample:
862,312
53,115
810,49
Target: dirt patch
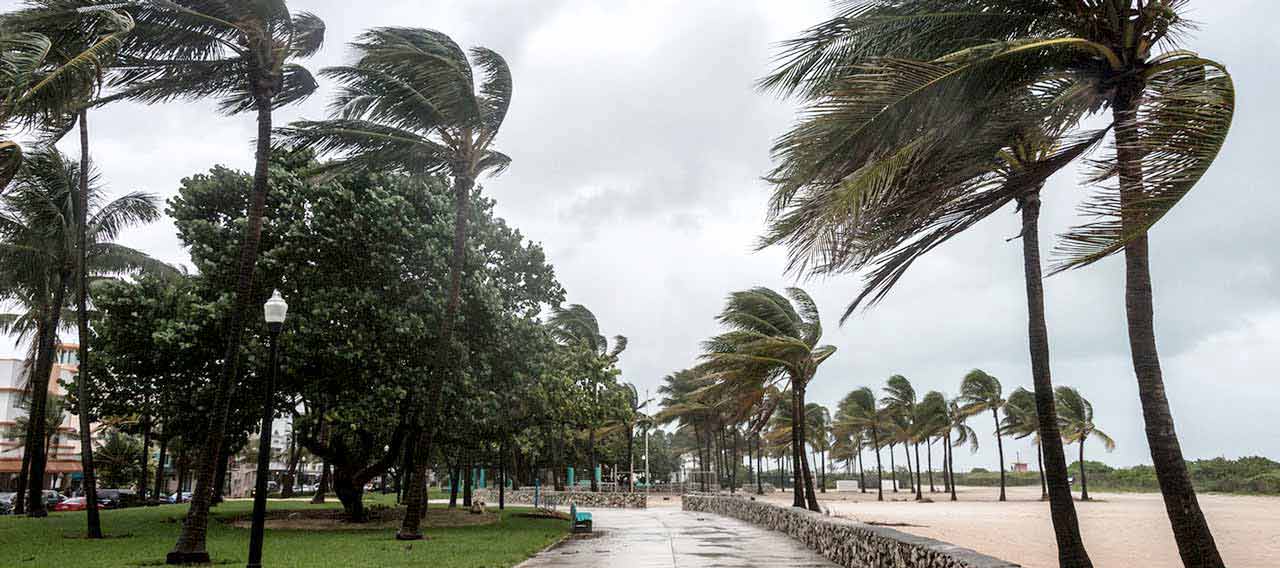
379,518
546,514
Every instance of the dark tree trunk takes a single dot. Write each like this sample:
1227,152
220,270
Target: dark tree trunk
468,477
906,452
190,547
161,489
20,498
146,458
90,478
1066,526
759,463
928,448
811,498
893,468
1000,449
291,471
919,489
631,464
220,478
450,360
37,441
591,451
182,476
350,493
875,441
946,468
322,486
1084,477
822,469
1191,531
453,487
951,464
502,477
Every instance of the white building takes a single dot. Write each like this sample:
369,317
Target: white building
64,451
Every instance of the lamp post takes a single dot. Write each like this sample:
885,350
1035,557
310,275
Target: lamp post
274,312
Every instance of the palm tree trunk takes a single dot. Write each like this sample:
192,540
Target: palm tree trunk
893,468
919,493
37,442
322,486
160,490
811,498
1190,529
1066,526
1084,478
906,452
875,441
146,458
90,479
591,451
463,181
797,450
631,463
759,463
951,464
24,472
928,448
1000,449
946,468
190,547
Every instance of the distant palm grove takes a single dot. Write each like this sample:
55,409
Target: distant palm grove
429,343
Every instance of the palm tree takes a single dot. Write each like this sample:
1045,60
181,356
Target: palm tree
1076,414
980,392
774,338
681,404
957,425
904,92
931,422
39,243
818,433
411,103
858,412
1020,421
48,71
900,400
77,27
631,416
241,52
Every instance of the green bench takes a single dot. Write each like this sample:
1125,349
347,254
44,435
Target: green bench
581,521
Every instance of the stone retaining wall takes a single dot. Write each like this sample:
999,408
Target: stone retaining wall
843,541
566,498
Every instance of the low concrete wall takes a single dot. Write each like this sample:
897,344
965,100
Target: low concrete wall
566,498
845,542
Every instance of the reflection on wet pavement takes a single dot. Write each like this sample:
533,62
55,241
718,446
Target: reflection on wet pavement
671,538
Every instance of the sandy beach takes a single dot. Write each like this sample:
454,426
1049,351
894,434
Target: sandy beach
1120,529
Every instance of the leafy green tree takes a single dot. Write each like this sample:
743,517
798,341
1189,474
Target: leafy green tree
980,392
119,459
954,84
575,327
411,103
774,338
1076,414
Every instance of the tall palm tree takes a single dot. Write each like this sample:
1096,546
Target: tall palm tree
1076,414
680,404
957,426
774,338
900,399
818,437
76,27
931,422
980,392
857,411
243,53
631,416
1020,421
937,90
414,101
39,243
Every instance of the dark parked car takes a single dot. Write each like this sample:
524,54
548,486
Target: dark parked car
118,498
6,503
51,500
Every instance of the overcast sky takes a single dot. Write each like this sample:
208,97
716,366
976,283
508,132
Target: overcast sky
638,144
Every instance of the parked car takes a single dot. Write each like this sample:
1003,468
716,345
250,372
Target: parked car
52,498
186,497
6,503
75,504
118,498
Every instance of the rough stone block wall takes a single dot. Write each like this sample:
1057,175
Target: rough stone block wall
566,498
845,542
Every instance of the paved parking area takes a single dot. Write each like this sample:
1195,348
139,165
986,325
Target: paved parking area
671,538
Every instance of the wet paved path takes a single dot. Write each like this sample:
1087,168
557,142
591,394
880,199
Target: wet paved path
671,538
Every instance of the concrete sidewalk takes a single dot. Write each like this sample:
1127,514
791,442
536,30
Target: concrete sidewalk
671,538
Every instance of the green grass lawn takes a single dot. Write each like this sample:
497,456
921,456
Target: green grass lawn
142,536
